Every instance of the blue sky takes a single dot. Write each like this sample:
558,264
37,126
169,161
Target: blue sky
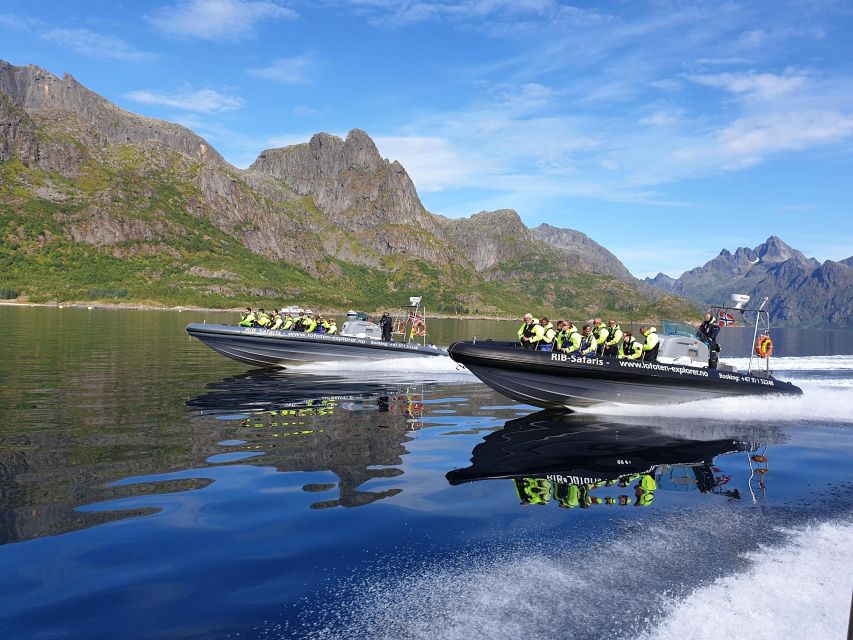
666,131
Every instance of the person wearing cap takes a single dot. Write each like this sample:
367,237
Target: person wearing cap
247,319
526,331
614,339
333,327
601,333
588,342
630,349
543,335
325,324
650,348
287,325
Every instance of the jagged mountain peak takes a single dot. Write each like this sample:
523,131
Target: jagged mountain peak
775,250
65,104
349,180
801,290
502,220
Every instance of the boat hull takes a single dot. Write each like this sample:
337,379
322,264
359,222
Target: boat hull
271,348
551,379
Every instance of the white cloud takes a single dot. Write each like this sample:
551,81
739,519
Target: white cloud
295,70
198,100
762,86
404,12
231,20
96,45
14,22
304,111
432,163
748,140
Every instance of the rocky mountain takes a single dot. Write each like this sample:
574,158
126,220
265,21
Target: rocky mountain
98,202
802,291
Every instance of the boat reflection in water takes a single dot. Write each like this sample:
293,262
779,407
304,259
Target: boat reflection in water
577,461
306,423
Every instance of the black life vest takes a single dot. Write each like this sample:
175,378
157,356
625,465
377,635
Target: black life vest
652,354
527,332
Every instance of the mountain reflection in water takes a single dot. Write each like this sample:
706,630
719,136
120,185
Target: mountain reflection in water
307,423
582,460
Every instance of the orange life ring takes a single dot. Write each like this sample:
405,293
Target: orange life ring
764,347
419,328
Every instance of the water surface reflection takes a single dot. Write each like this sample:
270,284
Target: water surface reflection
574,460
355,429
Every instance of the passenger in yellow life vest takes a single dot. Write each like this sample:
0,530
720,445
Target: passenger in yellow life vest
645,491
533,490
311,323
559,336
588,343
601,334
305,322
525,331
543,335
333,328
263,319
570,340
650,349
322,325
614,339
567,495
277,321
287,325
247,319
630,349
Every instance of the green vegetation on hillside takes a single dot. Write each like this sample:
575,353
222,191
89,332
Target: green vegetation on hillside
132,226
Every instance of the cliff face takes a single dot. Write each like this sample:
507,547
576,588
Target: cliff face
95,198
98,121
584,253
802,292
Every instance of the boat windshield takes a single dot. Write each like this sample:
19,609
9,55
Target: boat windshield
671,328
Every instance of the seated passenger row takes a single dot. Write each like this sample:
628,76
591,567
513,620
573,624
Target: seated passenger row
592,340
286,322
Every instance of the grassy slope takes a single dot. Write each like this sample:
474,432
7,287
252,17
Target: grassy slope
39,259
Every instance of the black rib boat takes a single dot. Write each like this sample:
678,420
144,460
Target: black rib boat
551,379
686,369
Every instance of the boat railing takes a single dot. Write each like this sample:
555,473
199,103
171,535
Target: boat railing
410,322
762,323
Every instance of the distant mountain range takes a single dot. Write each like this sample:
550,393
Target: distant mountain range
99,203
802,291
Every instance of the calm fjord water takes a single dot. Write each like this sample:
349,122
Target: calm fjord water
150,488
